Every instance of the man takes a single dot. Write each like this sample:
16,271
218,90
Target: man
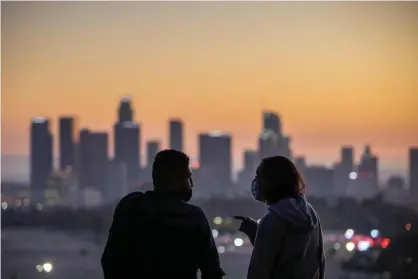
159,234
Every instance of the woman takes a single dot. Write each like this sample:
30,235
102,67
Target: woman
288,242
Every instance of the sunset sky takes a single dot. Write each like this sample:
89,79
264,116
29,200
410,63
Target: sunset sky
337,72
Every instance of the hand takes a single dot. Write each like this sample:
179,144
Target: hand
248,226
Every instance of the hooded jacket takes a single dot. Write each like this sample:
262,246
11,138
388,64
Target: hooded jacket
156,235
288,243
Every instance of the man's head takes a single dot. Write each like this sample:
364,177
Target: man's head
171,173
277,178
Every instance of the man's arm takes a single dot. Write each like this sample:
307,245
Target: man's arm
208,257
266,246
117,246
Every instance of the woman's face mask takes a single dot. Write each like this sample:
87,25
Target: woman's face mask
256,191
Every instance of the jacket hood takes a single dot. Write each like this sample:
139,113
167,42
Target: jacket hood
296,211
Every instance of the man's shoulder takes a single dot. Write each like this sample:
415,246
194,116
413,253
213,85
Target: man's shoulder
128,201
194,210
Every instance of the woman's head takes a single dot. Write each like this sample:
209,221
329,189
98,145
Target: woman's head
277,178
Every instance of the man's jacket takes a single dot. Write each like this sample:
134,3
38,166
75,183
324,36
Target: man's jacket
156,235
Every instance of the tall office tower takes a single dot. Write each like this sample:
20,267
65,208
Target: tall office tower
41,158
342,170
215,156
271,121
127,140
267,144
84,160
176,134
125,111
117,182
99,160
320,180
284,146
347,157
367,184
300,163
251,161
413,173
67,138
153,147
248,172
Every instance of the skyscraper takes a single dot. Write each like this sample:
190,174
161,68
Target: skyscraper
153,147
342,171
117,182
127,140
125,112
250,161
41,158
271,121
368,177
273,124
247,174
99,159
93,160
347,157
267,144
127,147
67,140
284,146
215,156
176,134
413,173
85,179
300,163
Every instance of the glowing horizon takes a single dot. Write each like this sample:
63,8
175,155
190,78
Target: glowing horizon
339,73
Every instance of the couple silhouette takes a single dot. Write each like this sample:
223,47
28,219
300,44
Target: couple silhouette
158,234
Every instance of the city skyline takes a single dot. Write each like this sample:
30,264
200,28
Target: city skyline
220,81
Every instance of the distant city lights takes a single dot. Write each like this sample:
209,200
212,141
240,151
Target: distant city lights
374,233
4,205
350,246
363,245
353,175
217,220
238,242
349,234
46,267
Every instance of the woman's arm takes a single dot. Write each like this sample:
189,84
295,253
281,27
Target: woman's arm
266,247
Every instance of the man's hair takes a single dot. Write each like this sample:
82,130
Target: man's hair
169,165
283,178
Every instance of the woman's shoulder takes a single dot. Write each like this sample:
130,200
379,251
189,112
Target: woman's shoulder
271,221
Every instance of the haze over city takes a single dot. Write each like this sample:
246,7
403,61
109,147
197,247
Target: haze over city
338,73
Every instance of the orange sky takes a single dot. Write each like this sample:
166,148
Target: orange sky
338,72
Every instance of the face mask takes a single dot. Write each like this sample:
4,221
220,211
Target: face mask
186,194
256,191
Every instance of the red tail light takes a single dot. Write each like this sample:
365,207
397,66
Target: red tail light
385,243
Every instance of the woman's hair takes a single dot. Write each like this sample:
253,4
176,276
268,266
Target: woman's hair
282,178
